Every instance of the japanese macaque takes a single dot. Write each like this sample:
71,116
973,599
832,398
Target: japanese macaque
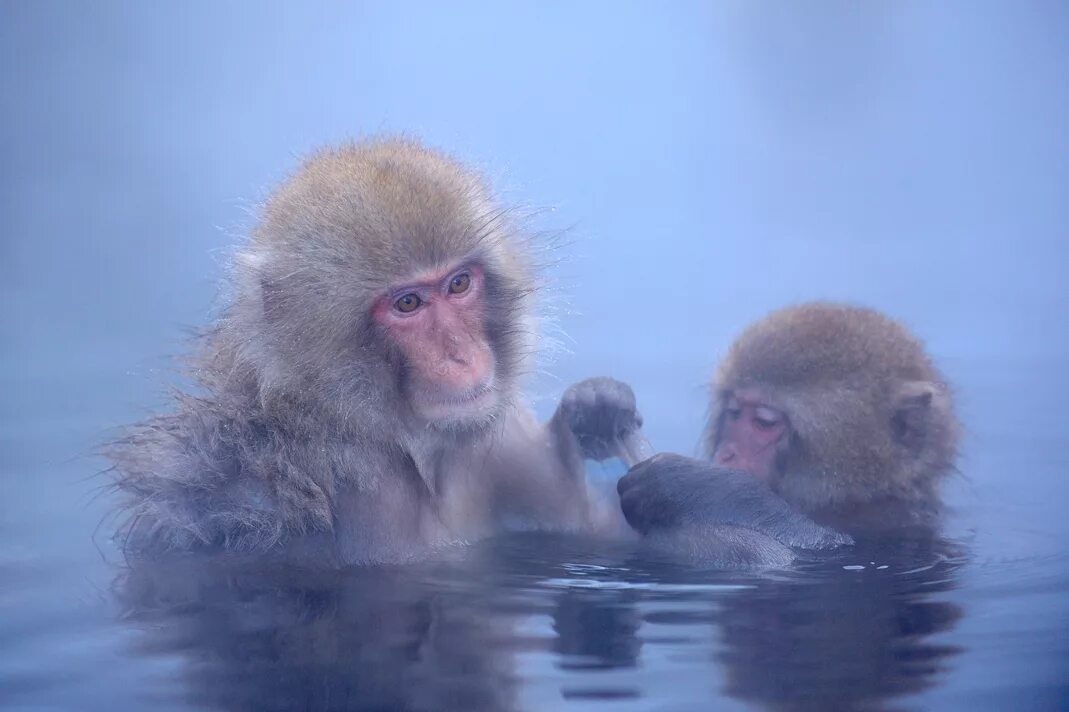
819,411
358,398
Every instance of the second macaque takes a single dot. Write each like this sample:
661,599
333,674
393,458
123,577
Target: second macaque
822,415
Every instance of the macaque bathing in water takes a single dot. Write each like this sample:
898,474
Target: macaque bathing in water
821,414
359,396
358,400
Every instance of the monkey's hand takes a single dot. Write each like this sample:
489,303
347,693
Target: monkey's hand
602,416
670,492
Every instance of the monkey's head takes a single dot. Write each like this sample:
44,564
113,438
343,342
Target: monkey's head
384,285
833,405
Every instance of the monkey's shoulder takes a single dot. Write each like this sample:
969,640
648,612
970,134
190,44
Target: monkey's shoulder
206,476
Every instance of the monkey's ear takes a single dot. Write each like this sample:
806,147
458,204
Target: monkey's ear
912,415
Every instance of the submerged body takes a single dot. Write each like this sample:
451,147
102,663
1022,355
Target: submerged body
359,396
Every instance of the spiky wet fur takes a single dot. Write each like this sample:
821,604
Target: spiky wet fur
294,394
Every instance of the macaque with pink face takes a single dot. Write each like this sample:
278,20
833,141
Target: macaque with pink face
752,434
821,413
359,397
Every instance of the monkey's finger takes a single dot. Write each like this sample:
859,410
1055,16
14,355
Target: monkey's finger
634,448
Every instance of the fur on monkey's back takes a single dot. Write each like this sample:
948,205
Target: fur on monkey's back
292,398
215,473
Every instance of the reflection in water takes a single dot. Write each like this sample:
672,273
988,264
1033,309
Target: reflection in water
464,633
842,636
596,629
364,639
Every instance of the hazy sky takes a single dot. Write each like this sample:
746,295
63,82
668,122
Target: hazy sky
709,161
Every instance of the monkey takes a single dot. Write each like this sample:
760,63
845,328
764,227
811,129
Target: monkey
821,414
838,407
358,400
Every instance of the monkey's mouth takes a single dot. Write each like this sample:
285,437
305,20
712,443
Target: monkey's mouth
476,402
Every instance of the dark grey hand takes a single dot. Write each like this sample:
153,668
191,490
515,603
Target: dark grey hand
670,492
602,414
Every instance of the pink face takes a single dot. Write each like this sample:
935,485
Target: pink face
752,434
436,320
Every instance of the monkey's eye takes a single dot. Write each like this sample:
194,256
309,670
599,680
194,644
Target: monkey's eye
408,303
766,418
460,283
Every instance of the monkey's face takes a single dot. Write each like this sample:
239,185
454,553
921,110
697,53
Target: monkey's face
436,322
752,435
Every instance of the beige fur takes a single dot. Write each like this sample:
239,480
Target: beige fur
848,379
297,425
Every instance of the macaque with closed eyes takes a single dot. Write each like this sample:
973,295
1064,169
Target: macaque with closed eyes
358,399
829,413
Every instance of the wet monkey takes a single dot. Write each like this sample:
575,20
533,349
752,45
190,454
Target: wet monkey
838,408
820,413
359,398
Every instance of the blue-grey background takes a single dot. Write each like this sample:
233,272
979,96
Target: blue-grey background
709,161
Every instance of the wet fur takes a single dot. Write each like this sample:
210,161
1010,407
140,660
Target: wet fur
872,417
873,432
295,397
716,516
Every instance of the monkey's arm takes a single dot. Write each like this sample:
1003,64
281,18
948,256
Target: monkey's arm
598,419
669,494
721,546
539,473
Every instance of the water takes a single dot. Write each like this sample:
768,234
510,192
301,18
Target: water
711,163
530,622
976,618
